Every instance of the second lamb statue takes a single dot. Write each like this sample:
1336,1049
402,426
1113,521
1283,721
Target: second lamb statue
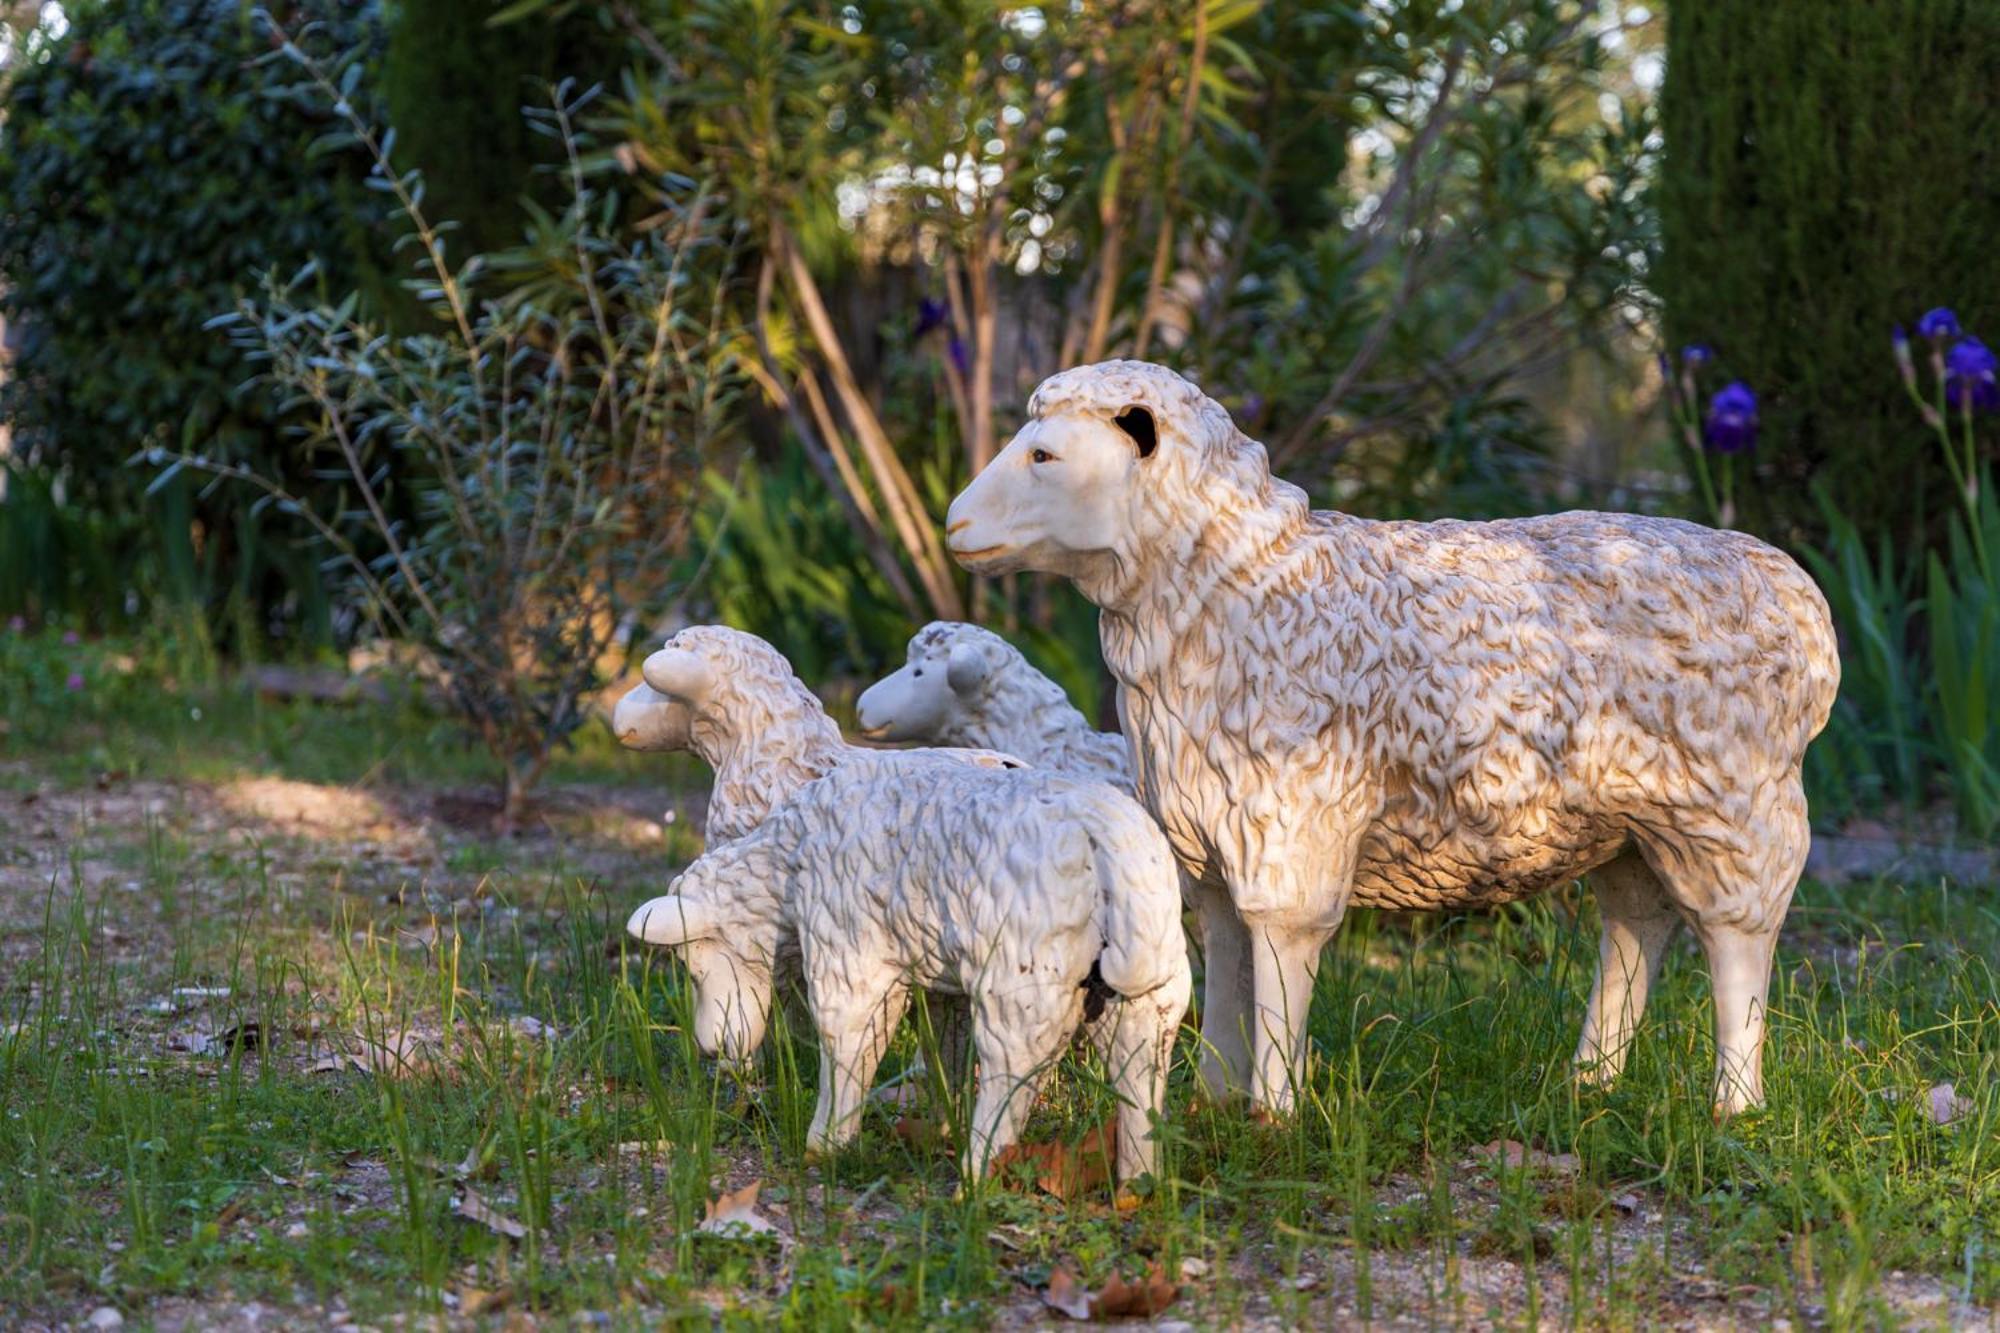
1047,901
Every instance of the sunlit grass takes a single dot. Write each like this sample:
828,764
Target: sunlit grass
129,1171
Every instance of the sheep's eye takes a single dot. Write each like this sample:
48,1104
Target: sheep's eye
916,673
1042,456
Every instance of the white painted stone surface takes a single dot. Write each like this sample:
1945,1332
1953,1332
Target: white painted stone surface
896,871
1325,710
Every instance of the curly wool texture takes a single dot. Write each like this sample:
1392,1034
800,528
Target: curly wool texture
1006,705
899,870
1462,712
1325,710
756,723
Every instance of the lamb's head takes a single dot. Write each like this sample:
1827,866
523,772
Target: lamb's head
721,916
645,719
939,690
1117,462
734,686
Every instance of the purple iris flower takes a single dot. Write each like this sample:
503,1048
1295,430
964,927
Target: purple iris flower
931,313
1938,323
75,682
1731,425
1697,354
1969,376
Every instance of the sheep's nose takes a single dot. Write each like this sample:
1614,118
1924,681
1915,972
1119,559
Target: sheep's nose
959,526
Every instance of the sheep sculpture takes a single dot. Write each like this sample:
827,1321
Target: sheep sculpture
733,699
964,685
1326,710
1045,900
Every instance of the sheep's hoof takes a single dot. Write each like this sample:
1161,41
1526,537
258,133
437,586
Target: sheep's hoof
1260,1114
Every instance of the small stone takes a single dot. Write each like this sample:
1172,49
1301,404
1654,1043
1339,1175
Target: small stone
1193,1269
106,1316
297,1231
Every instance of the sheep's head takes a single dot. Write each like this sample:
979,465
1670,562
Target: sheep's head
711,917
949,668
732,685
646,719
1114,460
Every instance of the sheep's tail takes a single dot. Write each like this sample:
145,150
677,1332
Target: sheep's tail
1139,895
1806,606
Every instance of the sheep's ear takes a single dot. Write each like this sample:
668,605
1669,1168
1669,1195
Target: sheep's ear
672,920
678,672
967,668
1137,422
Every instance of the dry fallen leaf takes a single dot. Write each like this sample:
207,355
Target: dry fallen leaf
737,1215
473,1208
1065,1170
1946,1105
921,1132
475,1301
1513,1154
1193,1268
1116,1299
395,1053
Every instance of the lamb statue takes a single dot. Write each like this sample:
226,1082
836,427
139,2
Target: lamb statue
734,700
1325,710
1045,900
963,685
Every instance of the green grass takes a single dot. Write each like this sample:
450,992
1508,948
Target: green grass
130,1172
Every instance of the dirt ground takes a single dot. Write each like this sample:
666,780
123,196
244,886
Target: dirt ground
420,859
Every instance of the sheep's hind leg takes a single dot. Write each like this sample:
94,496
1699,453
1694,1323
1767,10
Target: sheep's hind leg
1285,961
1018,1045
1735,890
1227,993
1739,964
1137,1050
1639,924
854,1033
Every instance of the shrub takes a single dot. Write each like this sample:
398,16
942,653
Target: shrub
1826,172
150,170
552,438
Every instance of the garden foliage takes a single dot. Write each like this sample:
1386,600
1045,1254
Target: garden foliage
1827,170
548,435
151,169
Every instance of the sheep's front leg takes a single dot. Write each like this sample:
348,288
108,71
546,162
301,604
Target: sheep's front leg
1285,960
854,1031
1137,1050
1228,983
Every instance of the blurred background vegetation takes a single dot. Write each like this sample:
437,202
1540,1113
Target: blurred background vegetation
1442,257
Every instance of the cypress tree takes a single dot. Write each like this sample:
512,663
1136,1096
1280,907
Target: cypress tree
456,85
1829,171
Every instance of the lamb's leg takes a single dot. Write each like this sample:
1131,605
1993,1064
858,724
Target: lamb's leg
1227,987
854,1032
1285,960
1137,1051
1018,1044
1639,924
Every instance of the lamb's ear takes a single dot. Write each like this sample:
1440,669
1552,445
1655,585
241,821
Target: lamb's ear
678,672
968,667
673,920
1137,422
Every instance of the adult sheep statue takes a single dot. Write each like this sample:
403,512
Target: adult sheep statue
1325,710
